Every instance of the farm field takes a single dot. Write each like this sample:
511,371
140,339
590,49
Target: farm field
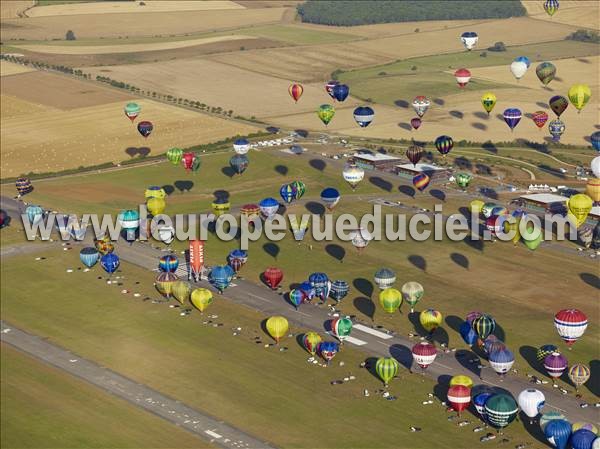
572,12
31,388
9,68
11,9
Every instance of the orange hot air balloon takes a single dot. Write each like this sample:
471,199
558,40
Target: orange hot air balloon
295,91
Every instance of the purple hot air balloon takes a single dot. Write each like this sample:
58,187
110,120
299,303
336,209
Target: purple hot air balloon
555,365
512,117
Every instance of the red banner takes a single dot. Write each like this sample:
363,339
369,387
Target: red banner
196,257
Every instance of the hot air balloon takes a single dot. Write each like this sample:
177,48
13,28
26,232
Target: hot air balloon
295,91
241,146
545,72
251,211
165,234
364,115
518,69
300,189
502,361
501,410
268,208
421,181
156,206
483,326
277,326
539,118
557,432
220,206
595,139
353,175
592,189
299,229
390,300
341,328
104,245
384,278
570,325
488,100
239,163
532,237
220,276
145,128
582,439
319,282
476,206
467,333
531,402
479,401
492,344
23,186
132,110
168,262
551,6
311,342
330,197
579,374
550,416
340,92
414,153
361,238
89,256
34,213
461,379
558,104
328,350
326,113
174,155
415,122
181,291
188,160
444,144
463,180
459,397
339,289
296,297
420,104
287,193
544,351
110,262
307,289
424,354
584,425
512,117
463,76
469,39
201,298
412,292
555,365
579,207
524,59
196,163
579,95
387,368
329,87
273,277
129,221
595,166
237,258
164,282
430,319
155,192
556,129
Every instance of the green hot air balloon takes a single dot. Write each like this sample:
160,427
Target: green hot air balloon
326,113
387,368
501,410
545,72
463,180
132,110
412,292
174,155
483,326
181,290
390,299
341,328
300,189
532,238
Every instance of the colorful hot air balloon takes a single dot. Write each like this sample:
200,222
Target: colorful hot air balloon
239,163
339,289
156,206
201,298
174,155
430,319
188,160
145,128
273,277
523,59
539,118
340,92
512,117
595,139
364,115
579,95
518,69
220,206
320,283
414,153
89,256
104,245
384,278
155,192
23,186
463,76
467,333
129,221
353,175
295,91
387,368
444,144
34,213
341,328
328,350
424,354
415,122
550,416
307,289
531,402
579,374
329,87
551,6
570,325
487,209
420,104
476,206
277,326
483,326
459,397
584,425
132,110
501,410
181,291
488,100
268,208
421,181
296,297
168,262
220,276
461,379
300,189
544,351
469,39
592,189
164,282
287,193
241,146
390,300
555,365
582,439
326,113
502,361
412,292
110,262
546,71
361,238
330,197
556,129
463,180
558,104
579,207
311,342
557,432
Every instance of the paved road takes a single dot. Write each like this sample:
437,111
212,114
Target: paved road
206,427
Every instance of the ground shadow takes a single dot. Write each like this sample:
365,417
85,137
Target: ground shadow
168,188
418,261
464,357
541,104
302,133
532,427
456,114
184,186
364,286
489,193
405,126
593,385
135,151
541,147
272,249
228,171
281,169
407,190
439,101
463,163
317,164
221,195
402,103
480,126
315,208
482,115
438,194
300,341
483,169
413,317
335,251
476,244
365,306
370,366
460,260
402,354
440,390
590,279
381,183
272,129
529,353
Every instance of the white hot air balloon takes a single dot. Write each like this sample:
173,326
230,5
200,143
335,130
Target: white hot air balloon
166,234
469,39
353,175
361,238
241,146
518,69
531,402
595,165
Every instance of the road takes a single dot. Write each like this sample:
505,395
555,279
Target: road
372,341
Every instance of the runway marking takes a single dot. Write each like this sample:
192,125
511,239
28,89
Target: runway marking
355,341
258,297
213,434
368,330
441,364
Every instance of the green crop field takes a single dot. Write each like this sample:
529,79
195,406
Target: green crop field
44,407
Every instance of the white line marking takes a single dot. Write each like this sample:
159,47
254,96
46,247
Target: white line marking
441,364
213,434
368,330
355,341
258,297
302,313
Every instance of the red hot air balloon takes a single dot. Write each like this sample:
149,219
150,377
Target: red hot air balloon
295,91
463,76
424,354
570,325
459,397
415,122
273,277
188,160
539,118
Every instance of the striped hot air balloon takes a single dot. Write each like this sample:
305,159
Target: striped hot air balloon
23,186
181,291
390,300
479,401
424,354
551,6
414,153
311,342
557,432
89,256
320,284
539,118
483,326
168,262
555,365
459,397
531,402
444,144
512,117
339,289
583,439
363,116
330,197
250,211
421,181
288,193
463,76
295,91
550,416
544,351
164,282
501,410
387,368
412,292
384,278
579,374
273,277
570,325
502,361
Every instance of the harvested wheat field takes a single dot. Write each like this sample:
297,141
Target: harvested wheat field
581,13
13,107
9,68
11,9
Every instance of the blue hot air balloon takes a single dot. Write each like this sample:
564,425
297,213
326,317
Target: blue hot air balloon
595,139
34,213
220,276
582,439
307,289
296,297
557,432
319,281
288,192
512,117
339,290
110,262
364,115
238,254
330,197
479,401
340,92
524,59
168,262
89,256
467,333
268,207
328,349
241,146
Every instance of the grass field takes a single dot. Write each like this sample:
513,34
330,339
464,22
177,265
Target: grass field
44,407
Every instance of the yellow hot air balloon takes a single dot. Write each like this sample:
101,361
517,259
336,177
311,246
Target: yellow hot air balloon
390,299
164,282
155,192
579,94
579,207
488,100
476,206
430,319
201,298
156,206
277,326
461,379
593,189
514,227
181,291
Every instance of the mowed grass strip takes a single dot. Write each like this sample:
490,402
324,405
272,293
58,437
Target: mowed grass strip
45,407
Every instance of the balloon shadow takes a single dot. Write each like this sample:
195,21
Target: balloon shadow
456,114
532,426
441,336
228,171
317,164
365,306
413,317
480,126
454,322
418,261
489,146
402,103
302,133
439,101
541,104
464,357
482,115
364,286
593,385
475,244
221,195
272,129
438,194
272,249
590,279
407,190
402,354
460,260
405,126
335,251
440,389
529,353
370,366
135,151
327,325
169,189
463,163
184,186
381,183
300,341
281,169
483,169
315,208
489,193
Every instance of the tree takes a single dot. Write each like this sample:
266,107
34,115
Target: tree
70,36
